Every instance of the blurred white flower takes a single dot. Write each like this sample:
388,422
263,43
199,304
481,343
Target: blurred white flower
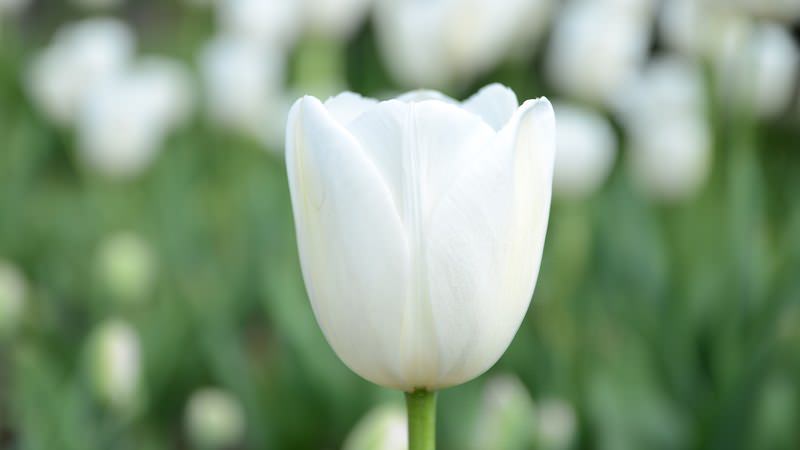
97,4
127,266
336,19
668,87
12,7
80,56
597,46
781,10
434,43
244,85
671,160
266,23
507,415
696,28
383,428
214,419
126,119
116,364
13,293
664,114
556,424
758,67
586,147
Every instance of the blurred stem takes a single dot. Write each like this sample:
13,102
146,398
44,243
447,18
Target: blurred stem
421,408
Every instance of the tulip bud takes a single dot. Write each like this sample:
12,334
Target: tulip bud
420,225
585,150
81,56
507,416
126,266
116,365
384,428
556,424
214,419
12,7
13,290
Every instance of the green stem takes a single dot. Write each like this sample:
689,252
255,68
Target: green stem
421,408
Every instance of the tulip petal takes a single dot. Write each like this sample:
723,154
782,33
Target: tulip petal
494,103
425,94
347,106
419,148
352,246
485,244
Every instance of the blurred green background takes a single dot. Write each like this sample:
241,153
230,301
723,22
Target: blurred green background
160,305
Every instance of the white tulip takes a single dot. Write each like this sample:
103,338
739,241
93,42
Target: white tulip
266,23
782,10
597,46
434,43
507,415
759,68
671,160
127,266
244,84
214,419
420,225
556,424
97,4
696,28
383,428
116,364
335,19
13,293
586,148
81,56
126,119
664,113
669,87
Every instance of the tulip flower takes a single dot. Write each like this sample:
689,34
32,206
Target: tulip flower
664,114
597,46
383,428
441,42
125,120
420,224
587,147
244,87
556,424
81,56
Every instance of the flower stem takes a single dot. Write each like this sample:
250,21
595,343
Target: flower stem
421,408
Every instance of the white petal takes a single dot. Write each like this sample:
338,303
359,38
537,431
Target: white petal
494,103
419,147
485,244
420,95
347,106
352,246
